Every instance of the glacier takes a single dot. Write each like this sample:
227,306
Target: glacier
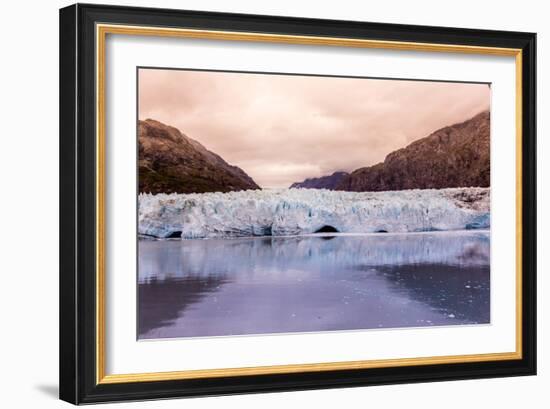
291,212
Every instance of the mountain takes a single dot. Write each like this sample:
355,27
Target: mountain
453,156
324,182
171,162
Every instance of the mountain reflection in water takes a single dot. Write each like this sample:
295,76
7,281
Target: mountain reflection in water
215,287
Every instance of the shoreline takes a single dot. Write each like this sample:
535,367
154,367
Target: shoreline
325,235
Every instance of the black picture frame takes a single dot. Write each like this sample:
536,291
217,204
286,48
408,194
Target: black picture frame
78,301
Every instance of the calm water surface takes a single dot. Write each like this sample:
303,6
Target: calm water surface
216,287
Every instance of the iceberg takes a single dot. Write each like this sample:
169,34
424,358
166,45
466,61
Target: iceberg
290,212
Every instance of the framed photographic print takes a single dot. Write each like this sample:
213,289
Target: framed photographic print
257,203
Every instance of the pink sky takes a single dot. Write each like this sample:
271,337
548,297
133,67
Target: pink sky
282,129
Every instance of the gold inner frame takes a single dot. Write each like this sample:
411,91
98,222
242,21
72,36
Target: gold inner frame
101,33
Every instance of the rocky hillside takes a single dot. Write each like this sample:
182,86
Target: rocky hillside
324,182
171,162
454,156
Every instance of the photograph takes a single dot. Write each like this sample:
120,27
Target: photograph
259,203
273,203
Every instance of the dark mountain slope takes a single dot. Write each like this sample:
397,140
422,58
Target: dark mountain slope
454,156
324,182
171,162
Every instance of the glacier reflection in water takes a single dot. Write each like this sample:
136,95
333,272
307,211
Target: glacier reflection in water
214,287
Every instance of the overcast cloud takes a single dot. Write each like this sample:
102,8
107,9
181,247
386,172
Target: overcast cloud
282,129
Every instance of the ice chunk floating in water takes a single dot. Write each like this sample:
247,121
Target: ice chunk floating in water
288,212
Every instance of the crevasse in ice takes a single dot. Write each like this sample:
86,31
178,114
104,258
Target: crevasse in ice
287,212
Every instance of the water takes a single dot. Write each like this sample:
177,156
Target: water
218,287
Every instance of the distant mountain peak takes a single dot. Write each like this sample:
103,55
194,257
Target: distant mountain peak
324,182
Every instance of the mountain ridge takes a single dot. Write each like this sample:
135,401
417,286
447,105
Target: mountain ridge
453,156
172,162
322,182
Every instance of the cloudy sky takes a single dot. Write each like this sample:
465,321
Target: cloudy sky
281,129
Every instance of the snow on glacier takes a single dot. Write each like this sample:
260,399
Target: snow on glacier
288,212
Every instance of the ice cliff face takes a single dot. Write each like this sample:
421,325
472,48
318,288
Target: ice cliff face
305,211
